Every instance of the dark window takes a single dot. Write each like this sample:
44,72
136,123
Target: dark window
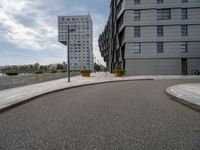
163,14
160,32
184,1
184,64
136,48
184,13
136,15
160,47
159,1
184,47
136,1
184,30
137,31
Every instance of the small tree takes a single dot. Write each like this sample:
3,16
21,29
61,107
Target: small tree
97,67
59,67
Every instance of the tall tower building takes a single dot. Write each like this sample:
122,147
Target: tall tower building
80,41
152,37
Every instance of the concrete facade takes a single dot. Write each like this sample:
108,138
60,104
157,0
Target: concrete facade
152,37
81,40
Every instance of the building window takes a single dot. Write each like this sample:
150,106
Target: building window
184,1
136,48
184,30
160,47
159,1
163,14
184,13
136,1
136,15
137,31
184,47
160,32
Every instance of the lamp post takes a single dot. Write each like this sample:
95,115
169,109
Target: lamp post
95,64
68,56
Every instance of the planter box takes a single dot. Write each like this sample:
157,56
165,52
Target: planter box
85,74
118,74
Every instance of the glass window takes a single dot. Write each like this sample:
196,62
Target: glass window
160,32
159,1
160,47
163,14
137,31
136,15
184,30
184,47
136,1
184,13
136,48
184,1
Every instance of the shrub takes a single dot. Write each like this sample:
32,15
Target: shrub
119,70
54,71
63,71
38,72
12,73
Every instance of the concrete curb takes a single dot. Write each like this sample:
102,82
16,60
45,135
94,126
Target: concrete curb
13,105
183,101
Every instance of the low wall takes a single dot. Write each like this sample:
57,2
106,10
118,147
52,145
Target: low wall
15,81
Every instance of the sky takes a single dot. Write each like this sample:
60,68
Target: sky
28,29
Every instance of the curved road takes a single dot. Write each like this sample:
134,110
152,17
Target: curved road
115,116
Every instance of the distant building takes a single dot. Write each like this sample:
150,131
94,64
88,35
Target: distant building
81,41
152,37
1,68
64,66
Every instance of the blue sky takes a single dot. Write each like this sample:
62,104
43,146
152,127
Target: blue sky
28,28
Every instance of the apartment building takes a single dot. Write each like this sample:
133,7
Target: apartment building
152,37
80,41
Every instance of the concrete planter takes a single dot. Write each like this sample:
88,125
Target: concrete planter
85,74
117,74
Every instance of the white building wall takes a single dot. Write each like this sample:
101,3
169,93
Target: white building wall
81,41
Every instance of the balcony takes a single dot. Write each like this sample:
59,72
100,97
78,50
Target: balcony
120,8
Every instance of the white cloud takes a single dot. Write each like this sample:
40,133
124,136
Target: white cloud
38,28
38,37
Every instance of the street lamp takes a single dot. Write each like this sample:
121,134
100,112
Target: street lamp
68,60
95,64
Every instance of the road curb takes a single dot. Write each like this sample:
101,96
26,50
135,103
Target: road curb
182,100
13,105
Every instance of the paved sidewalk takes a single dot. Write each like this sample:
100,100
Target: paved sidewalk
188,94
11,97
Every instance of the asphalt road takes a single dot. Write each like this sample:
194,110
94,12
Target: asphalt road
134,115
